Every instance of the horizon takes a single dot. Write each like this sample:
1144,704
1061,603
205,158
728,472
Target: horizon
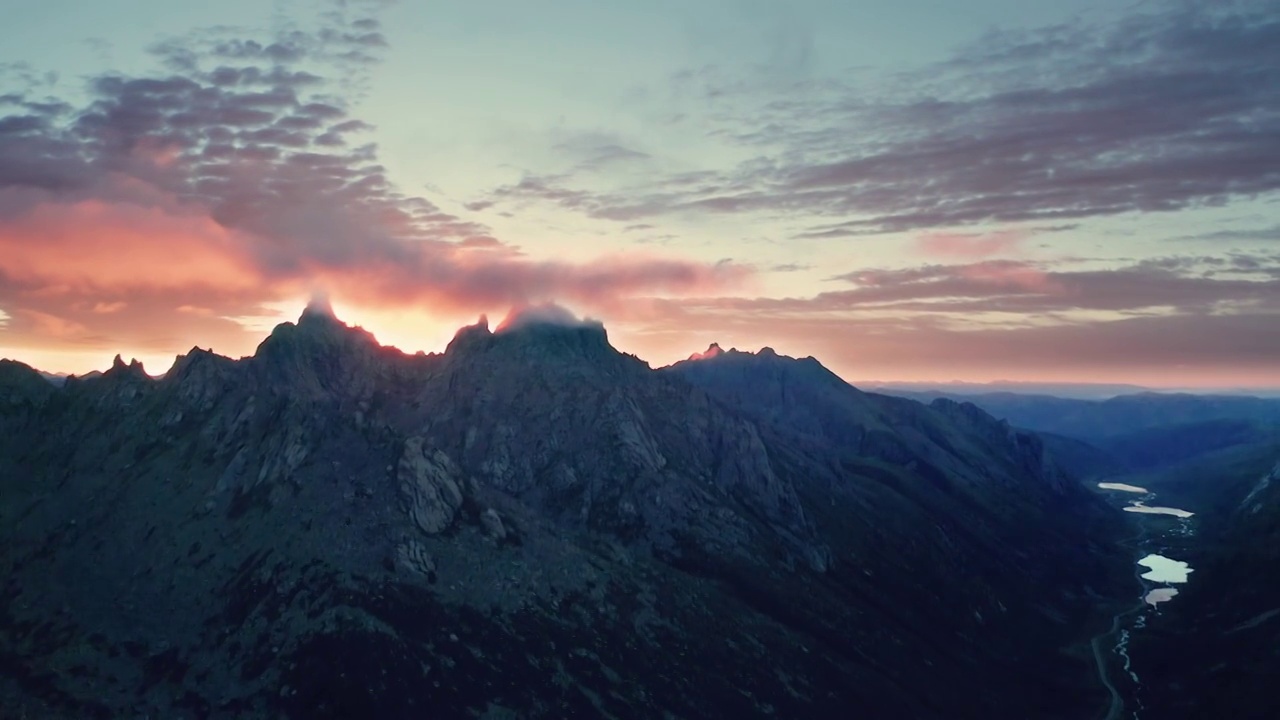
551,314
1038,193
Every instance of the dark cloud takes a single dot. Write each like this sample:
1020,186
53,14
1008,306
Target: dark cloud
1157,112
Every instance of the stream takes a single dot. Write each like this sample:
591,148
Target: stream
1156,575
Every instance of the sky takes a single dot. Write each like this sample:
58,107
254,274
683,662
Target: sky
1062,191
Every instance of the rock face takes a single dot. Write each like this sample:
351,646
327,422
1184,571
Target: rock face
430,484
414,558
491,521
1262,493
530,521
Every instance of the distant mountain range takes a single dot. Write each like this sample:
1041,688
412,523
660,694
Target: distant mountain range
1123,414
1132,432
1080,391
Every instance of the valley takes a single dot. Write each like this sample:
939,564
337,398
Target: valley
1158,578
1197,477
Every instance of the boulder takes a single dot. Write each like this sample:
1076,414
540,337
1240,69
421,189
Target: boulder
491,521
430,486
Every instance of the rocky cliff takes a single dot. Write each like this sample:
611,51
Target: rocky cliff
530,524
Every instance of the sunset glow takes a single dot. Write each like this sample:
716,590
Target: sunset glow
1010,195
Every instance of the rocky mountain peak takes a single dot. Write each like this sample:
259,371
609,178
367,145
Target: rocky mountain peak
765,355
201,376
133,370
183,364
317,327
318,310
20,383
542,314
539,332
469,336
318,351
766,363
713,350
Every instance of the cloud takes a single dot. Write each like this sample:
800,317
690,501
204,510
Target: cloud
53,326
970,245
542,314
1172,109
1181,320
596,150
1185,284
1163,350
237,176
106,308
1265,234
102,247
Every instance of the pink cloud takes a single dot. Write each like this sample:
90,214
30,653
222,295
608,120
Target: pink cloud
170,203
970,245
1015,275
52,326
111,246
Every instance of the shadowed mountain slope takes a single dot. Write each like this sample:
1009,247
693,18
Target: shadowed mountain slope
532,522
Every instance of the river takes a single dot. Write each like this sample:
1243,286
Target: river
1155,573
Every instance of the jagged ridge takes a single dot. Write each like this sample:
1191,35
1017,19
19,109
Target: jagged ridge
332,528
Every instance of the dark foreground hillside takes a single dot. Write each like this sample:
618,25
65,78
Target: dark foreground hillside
532,525
1215,652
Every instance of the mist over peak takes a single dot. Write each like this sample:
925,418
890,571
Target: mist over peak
319,307
544,314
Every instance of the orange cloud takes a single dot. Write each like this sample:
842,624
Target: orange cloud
52,326
90,278
109,247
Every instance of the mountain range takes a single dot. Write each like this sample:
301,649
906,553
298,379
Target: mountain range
533,524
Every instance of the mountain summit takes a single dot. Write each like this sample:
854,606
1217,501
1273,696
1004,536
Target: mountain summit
530,522
713,350
319,308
